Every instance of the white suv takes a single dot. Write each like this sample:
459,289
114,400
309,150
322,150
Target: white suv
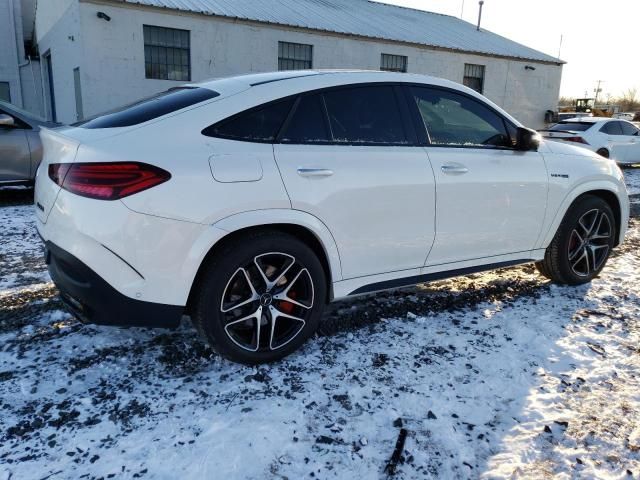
248,203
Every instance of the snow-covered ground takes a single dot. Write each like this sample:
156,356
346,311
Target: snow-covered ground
632,177
497,375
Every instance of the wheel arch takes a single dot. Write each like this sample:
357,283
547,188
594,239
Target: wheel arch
317,237
604,190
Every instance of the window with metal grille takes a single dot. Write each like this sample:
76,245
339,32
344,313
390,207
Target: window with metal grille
393,63
474,77
166,53
294,56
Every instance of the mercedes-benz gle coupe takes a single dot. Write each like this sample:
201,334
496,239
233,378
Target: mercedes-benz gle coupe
250,202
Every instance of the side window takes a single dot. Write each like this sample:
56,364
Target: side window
308,123
259,124
365,115
457,120
612,128
628,129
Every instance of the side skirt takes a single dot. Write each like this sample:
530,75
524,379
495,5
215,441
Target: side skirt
430,277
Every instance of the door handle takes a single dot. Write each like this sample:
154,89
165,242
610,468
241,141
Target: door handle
315,172
454,169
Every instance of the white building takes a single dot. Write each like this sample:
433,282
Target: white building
99,54
20,80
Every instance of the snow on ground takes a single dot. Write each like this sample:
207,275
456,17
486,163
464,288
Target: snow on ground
632,178
497,375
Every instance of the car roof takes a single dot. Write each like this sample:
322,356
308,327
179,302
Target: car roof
331,76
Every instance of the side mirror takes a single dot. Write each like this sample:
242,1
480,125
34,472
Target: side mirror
527,140
7,121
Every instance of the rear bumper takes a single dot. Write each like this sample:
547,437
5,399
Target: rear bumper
93,300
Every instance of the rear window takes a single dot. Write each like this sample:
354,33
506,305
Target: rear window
572,126
144,110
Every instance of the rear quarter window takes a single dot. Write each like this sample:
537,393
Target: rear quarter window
150,108
260,124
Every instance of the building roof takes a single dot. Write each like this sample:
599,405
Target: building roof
363,18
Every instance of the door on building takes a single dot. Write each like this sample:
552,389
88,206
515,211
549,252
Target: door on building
78,92
50,86
358,169
490,198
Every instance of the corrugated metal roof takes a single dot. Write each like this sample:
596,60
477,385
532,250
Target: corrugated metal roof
363,18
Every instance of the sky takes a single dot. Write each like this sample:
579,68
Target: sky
600,39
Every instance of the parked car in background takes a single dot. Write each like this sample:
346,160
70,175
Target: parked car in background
611,138
624,116
250,202
20,146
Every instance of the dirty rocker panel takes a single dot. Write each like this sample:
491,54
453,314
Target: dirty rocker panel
430,277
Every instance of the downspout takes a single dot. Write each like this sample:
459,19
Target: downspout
44,95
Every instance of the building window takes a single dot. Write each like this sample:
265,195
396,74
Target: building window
5,92
393,63
166,53
294,56
474,77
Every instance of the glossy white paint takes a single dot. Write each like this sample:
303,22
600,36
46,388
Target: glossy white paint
495,208
623,148
377,202
382,214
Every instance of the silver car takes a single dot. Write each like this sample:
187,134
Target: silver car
20,147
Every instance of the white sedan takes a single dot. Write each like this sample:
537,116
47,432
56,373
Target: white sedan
611,138
250,202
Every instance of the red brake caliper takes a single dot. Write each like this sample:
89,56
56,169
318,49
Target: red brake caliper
287,307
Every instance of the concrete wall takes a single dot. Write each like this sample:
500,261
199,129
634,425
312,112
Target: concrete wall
22,74
62,40
113,66
48,12
9,54
31,85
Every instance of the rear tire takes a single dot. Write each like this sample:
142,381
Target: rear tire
603,152
581,247
260,298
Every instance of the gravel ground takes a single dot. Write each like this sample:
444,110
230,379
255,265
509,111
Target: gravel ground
497,375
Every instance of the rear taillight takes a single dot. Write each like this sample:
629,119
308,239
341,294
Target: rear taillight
107,181
575,139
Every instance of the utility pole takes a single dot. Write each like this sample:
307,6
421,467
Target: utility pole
597,90
560,47
462,10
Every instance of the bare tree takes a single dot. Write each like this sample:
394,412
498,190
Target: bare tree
629,100
566,101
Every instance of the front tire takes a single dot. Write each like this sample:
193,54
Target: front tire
260,298
581,247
